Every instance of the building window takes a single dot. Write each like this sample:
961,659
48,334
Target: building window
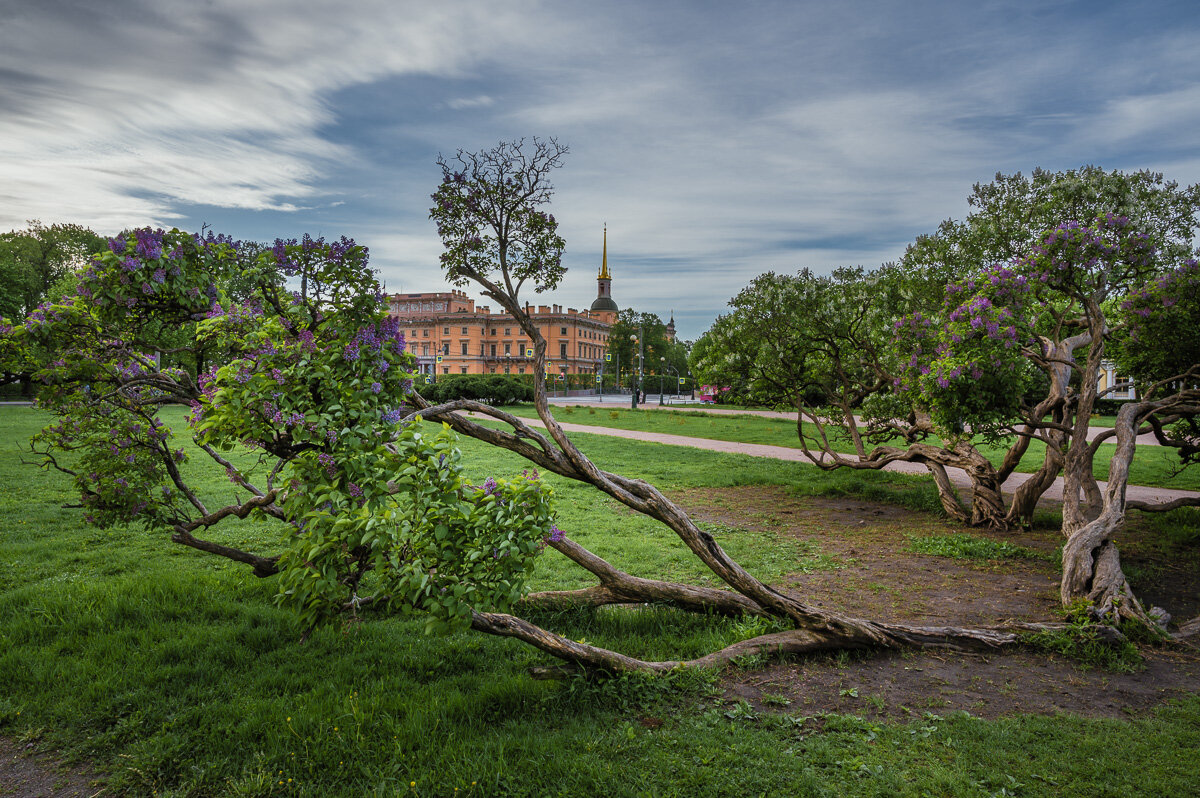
445,369
425,333
464,332
562,351
493,353
462,369
445,331
507,349
508,330
562,330
493,331
414,335
464,348
425,350
445,349
520,369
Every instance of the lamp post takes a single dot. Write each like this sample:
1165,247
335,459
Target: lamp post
662,362
670,370
634,392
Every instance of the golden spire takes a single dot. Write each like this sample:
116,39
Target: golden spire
604,260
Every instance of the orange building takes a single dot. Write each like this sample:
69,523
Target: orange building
450,334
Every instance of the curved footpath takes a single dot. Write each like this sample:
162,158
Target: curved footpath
1132,492
621,403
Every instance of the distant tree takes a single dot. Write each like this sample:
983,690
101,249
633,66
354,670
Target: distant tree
37,263
34,259
654,342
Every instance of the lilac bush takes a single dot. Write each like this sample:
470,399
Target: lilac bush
371,509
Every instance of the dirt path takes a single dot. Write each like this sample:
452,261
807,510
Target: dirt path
27,773
875,574
1133,492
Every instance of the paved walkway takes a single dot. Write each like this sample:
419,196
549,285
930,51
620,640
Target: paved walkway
684,403
1133,492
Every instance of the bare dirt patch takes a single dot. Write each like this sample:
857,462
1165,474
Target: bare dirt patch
882,578
27,773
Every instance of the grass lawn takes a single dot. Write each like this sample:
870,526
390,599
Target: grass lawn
1152,466
174,673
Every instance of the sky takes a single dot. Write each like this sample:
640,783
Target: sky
717,140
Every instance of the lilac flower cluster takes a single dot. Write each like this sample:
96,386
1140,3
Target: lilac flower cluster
289,260
213,240
1157,305
1072,249
149,243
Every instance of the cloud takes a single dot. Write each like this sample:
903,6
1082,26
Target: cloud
112,116
717,141
482,101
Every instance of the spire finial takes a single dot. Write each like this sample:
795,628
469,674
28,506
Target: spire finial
604,259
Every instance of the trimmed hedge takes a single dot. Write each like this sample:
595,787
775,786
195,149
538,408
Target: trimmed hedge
491,389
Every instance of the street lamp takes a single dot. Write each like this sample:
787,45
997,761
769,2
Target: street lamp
633,405
662,362
671,370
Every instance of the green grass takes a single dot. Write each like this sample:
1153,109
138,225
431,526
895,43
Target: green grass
176,674
963,546
1152,466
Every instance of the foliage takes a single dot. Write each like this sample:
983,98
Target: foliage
969,368
369,510
34,259
1011,214
799,340
1082,642
493,389
1164,309
446,549
487,215
654,346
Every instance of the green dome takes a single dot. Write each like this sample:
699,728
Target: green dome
605,303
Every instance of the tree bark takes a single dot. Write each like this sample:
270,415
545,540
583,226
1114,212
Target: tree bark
1091,561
